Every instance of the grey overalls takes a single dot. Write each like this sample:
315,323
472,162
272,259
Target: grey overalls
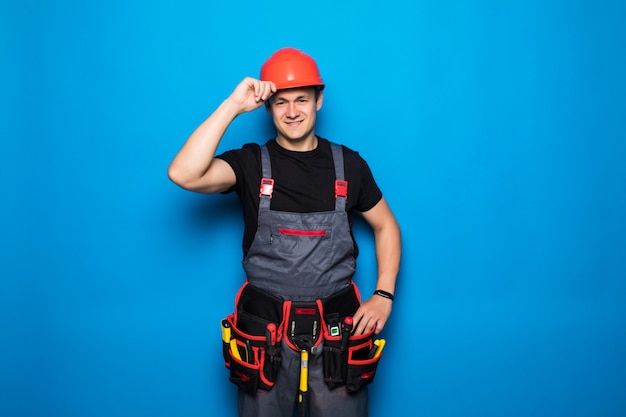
302,257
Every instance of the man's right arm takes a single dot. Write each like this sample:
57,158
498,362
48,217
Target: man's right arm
195,167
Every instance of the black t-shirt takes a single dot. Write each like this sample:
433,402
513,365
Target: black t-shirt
304,181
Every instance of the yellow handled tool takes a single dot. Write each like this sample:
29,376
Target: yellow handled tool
234,349
377,350
380,345
304,383
227,338
225,331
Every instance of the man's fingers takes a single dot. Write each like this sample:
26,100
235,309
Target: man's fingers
379,326
364,324
373,313
262,89
251,93
266,88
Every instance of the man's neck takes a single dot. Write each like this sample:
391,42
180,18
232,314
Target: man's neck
299,145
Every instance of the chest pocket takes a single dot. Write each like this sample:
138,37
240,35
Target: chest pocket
309,246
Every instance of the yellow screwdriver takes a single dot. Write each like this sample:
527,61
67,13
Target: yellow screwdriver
227,338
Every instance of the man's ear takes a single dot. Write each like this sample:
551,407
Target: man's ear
268,106
320,99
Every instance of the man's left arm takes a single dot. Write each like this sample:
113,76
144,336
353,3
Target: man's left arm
376,310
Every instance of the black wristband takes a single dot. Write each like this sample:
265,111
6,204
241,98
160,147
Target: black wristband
384,294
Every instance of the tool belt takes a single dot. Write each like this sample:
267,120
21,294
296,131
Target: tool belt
253,334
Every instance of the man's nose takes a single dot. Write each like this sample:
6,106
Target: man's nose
292,110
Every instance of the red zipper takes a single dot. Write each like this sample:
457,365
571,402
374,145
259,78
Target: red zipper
285,231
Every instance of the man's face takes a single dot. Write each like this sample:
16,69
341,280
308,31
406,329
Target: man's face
294,112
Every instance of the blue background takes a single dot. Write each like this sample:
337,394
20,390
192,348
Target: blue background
495,129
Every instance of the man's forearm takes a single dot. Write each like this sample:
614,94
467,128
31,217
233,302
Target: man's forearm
388,254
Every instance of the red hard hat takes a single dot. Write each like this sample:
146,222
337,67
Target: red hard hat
290,68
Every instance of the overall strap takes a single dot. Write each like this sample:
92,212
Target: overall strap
341,185
267,183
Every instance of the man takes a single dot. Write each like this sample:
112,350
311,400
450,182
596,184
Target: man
299,192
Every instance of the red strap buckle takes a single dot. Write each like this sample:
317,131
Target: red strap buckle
341,188
267,187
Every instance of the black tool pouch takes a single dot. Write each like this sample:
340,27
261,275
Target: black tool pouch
254,357
303,325
348,359
361,365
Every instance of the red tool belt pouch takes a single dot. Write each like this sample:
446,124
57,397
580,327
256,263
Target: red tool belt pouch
362,362
253,352
303,324
349,359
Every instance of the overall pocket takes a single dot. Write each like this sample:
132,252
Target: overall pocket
337,308
304,246
253,360
303,323
252,339
362,363
351,363
335,363
244,374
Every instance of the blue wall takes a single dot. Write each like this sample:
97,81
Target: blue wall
496,130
